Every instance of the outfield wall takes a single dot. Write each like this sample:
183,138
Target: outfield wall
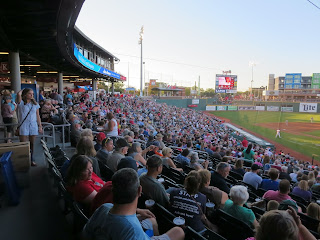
210,105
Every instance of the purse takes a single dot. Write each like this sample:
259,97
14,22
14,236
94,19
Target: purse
17,132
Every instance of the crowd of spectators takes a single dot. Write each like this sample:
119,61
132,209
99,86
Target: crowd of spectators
150,138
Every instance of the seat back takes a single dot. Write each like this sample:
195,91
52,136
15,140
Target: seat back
191,234
79,218
211,235
164,218
105,171
309,222
299,199
232,228
236,175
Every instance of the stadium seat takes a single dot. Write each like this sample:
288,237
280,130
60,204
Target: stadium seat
79,218
309,222
164,218
299,199
236,175
232,228
191,234
105,171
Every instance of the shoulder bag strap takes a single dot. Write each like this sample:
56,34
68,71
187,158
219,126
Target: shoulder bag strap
25,117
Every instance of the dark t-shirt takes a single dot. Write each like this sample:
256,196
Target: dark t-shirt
218,181
184,206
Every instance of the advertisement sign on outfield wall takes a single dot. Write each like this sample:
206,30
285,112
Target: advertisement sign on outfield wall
308,107
195,101
232,108
286,109
210,108
221,108
246,108
260,108
273,108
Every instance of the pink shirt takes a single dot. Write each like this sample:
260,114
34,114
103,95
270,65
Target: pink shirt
276,195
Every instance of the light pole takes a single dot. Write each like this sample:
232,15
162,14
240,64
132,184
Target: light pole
140,42
144,77
251,64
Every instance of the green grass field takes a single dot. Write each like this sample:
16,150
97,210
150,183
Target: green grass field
306,145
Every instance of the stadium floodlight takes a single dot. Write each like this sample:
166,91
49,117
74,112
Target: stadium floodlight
141,64
252,64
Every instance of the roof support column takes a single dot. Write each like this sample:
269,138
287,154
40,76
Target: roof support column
94,84
14,65
112,87
60,83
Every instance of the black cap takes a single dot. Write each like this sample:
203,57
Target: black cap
255,167
121,143
127,162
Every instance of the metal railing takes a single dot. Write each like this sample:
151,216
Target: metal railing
49,131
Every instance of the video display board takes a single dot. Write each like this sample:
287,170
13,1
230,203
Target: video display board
226,83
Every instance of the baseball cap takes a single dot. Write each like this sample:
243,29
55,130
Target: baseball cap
121,143
127,162
101,136
156,143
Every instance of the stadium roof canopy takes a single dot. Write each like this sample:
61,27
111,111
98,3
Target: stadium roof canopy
42,32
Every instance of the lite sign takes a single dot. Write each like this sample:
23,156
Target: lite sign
308,107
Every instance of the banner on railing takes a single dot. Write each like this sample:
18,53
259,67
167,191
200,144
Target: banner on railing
195,101
273,108
221,108
246,108
286,109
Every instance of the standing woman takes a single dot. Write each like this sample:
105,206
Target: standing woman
7,114
112,129
29,118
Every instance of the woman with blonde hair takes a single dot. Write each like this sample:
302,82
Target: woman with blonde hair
311,176
313,210
85,147
302,190
87,133
166,159
214,194
238,167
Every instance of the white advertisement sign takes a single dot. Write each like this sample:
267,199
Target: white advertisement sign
273,108
270,93
260,108
308,107
195,101
210,108
221,108
231,91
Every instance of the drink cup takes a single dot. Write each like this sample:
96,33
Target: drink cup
179,221
149,203
161,180
318,201
258,199
210,207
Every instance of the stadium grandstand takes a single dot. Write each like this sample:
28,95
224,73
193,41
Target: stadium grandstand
81,164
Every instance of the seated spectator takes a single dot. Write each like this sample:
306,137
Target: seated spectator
252,178
215,195
122,222
150,185
137,153
284,173
234,206
159,138
282,194
316,186
273,223
87,133
313,210
47,111
272,205
106,150
218,178
302,190
266,163
294,175
183,159
216,154
85,147
100,137
194,162
166,159
238,167
154,150
272,183
120,151
82,182
248,154
191,197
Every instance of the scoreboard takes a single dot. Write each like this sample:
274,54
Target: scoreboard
226,83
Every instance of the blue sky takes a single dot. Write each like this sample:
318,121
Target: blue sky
203,37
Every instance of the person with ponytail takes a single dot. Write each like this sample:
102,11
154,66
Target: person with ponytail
29,118
248,154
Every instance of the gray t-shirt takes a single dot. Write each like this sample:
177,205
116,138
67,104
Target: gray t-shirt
253,179
113,160
154,189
